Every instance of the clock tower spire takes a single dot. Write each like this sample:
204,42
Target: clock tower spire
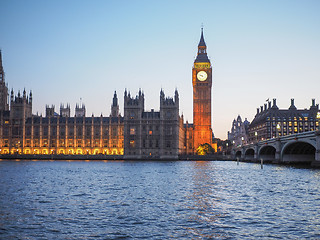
202,84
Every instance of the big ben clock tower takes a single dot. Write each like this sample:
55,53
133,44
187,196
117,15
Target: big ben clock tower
202,83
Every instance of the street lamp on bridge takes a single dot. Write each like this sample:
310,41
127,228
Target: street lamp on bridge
278,129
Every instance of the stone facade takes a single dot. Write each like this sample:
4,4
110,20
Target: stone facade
272,122
24,133
153,134
138,134
238,134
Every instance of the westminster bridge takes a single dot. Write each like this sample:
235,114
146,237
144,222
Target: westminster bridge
295,148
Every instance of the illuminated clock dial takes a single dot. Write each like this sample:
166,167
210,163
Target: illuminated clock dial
202,76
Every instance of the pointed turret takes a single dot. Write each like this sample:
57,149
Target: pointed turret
115,99
115,105
274,106
1,69
292,107
202,50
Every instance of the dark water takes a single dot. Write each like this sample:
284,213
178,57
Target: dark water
157,200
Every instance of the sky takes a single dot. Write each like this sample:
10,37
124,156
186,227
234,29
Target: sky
69,50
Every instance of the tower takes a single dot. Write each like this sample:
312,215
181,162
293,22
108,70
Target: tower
133,110
80,110
4,105
115,106
202,84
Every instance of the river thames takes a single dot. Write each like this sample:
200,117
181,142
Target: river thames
157,200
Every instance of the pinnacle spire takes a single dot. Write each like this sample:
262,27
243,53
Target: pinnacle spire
202,50
1,69
202,42
115,99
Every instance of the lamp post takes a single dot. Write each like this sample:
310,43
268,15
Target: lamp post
256,134
278,129
227,148
242,139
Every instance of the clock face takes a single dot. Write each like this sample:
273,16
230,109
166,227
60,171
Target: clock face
202,76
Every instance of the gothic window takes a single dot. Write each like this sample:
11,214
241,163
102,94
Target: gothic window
106,132
79,132
70,132
53,131
36,132
132,143
88,130
6,132
28,131
132,131
62,133
97,132
114,131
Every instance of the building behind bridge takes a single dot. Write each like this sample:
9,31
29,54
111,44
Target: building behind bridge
238,135
271,122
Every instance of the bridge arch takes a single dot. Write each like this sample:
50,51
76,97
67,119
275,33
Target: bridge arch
298,151
267,153
238,154
249,154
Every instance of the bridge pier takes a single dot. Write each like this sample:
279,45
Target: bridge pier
316,163
256,150
277,157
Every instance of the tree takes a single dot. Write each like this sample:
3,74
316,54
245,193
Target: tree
205,149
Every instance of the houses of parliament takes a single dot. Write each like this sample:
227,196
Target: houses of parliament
137,134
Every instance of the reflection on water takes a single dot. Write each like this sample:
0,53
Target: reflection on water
157,200
203,201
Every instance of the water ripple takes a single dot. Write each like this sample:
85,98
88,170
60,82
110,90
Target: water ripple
157,200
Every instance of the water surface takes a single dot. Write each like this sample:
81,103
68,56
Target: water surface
157,200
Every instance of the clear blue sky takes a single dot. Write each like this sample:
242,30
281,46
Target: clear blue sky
67,50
